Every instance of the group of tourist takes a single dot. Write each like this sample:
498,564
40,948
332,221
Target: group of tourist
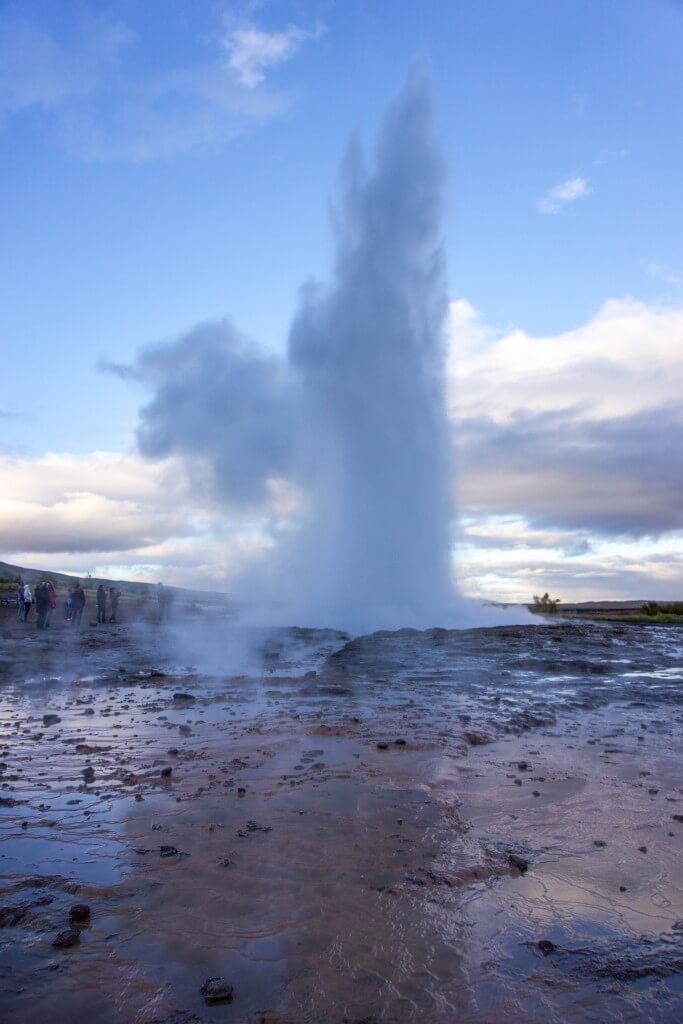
45,600
44,597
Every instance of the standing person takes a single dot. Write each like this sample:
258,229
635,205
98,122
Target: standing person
114,596
20,601
101,604
42,604
69,605
28,601
78,604
52,602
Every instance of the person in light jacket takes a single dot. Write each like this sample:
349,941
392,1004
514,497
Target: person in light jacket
28,601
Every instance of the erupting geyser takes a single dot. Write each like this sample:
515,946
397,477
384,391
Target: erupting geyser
354,417
370,357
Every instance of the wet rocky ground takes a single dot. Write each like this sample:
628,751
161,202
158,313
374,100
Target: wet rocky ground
448,825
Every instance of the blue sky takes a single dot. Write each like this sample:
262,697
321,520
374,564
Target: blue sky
165,164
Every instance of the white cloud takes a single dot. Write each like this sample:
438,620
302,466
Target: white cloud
120,516
626,359
252,51
569,477
565,192
101,104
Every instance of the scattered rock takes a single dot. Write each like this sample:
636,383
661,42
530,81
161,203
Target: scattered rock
88,773
678,817
166,773
79,912
518,862
546,946
51,719
400,742
69,937
168,851
523,766
382,746
184,698
216,990
11,916
643,849
475,738
599,842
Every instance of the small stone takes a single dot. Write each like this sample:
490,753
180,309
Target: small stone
69,937
599,842
241,791
518,862
523,766
546,946
173,752
622,888
183,698
226,862
166,773
400,742
168,851
678,817
216,990
88,773
79,912
643,849
476,738
51,719
382,746
89,711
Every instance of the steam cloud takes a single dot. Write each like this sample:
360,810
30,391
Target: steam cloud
355,416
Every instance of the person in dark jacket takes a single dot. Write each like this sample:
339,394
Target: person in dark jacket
42,604
77,604
52,601
101,604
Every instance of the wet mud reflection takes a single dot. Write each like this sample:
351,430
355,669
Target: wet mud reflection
477,825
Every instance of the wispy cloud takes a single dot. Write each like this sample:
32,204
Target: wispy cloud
565,192
665,274
251,50
100,103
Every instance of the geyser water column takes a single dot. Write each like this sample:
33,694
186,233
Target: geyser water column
354,416
370,357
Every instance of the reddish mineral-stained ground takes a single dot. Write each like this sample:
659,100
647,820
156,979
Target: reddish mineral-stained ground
478,825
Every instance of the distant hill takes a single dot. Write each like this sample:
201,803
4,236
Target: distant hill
9,573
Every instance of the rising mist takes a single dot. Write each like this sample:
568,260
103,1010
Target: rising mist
354,418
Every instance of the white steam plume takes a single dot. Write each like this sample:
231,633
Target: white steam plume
355,417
